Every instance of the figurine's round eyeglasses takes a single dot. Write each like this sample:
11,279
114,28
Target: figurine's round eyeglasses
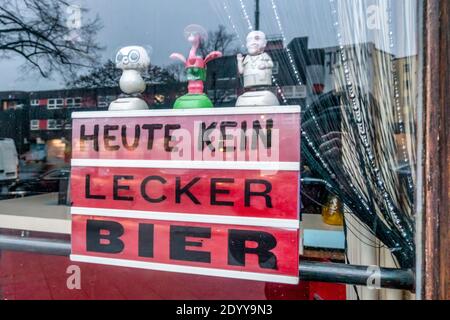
133,56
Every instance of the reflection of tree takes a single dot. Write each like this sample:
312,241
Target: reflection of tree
177,70
40,31
108,75
219,40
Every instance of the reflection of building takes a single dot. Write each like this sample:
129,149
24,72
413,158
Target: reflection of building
391,82
12,100
14,118
385,89
407,71
44,117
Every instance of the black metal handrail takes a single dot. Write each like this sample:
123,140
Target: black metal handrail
309,270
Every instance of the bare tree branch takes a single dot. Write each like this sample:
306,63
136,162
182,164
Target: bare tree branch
40,32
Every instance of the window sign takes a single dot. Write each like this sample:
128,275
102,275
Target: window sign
193,191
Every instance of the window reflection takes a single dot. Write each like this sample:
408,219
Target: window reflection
352,66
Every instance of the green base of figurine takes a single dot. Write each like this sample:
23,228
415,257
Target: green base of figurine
193,101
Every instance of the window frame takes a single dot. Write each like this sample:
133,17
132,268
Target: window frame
53,103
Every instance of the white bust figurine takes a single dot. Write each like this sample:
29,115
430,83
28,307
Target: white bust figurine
133,61
257,70
257,65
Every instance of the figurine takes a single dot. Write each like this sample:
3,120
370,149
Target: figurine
257,71
133,61
196,70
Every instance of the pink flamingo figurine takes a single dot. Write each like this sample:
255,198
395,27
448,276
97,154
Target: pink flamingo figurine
196,70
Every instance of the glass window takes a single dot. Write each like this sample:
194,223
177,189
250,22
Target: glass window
345,76
34,125
73,102
55,103
53,124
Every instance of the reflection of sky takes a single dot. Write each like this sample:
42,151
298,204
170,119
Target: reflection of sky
159,24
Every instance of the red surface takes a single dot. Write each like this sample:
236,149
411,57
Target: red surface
285,135
43,102
43,124
284,195
32,276
286,250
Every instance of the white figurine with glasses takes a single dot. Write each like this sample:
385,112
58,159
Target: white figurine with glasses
133,61
256,68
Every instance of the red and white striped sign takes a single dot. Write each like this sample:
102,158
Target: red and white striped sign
184,184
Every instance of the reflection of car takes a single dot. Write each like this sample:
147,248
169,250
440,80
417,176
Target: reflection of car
8,161
44,183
